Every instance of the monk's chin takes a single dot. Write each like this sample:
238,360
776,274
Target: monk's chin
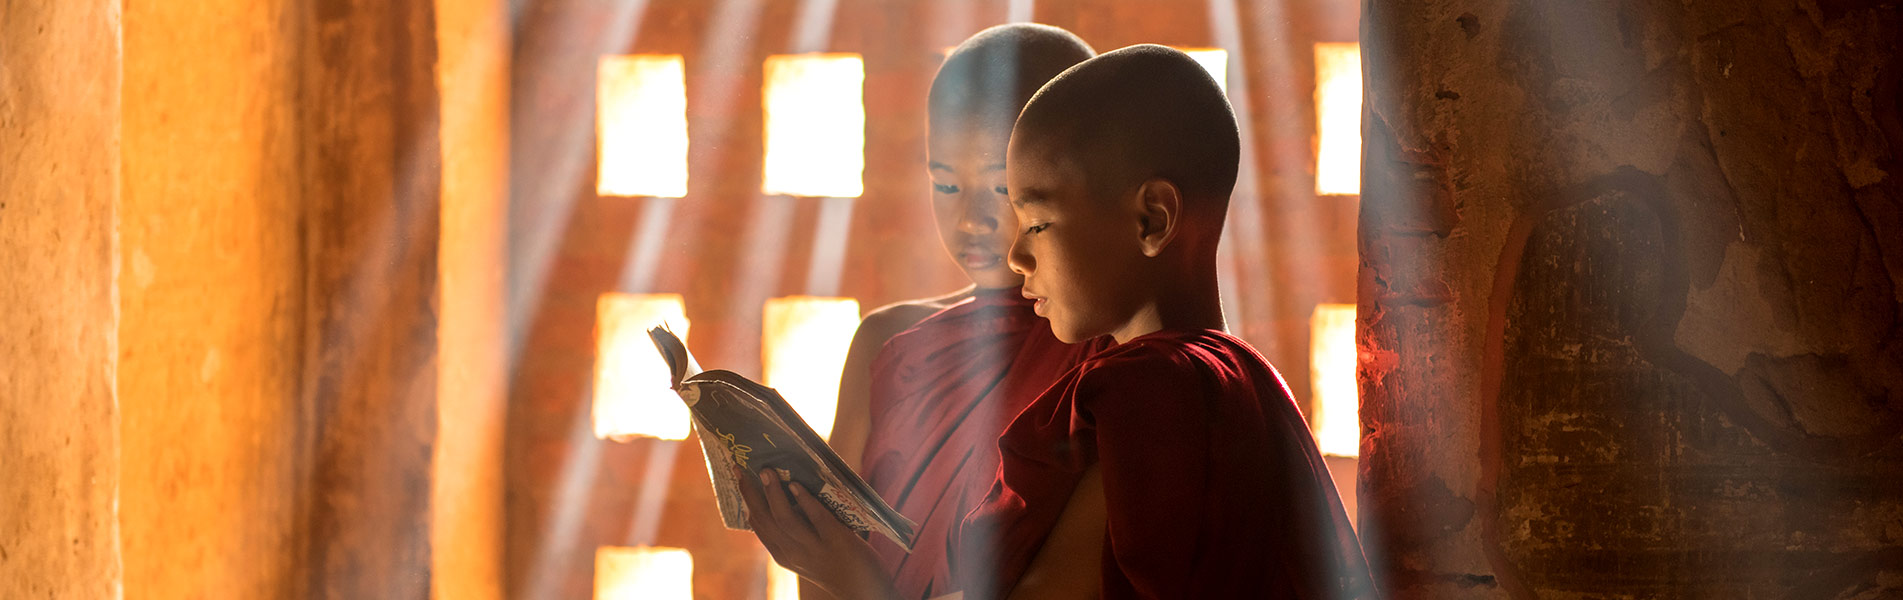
1069,335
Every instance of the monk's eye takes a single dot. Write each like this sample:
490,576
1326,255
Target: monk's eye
1001,191
944,188
1036,228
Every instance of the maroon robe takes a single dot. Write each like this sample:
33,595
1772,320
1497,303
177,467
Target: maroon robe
1212,484
942,391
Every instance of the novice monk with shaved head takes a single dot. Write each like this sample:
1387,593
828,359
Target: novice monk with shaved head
929,384
1174,464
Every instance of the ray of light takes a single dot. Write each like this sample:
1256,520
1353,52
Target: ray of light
563,517
563,163
769,226
1020,11
651,493
554,165
1297,213
1242,231
830,240
813,27
644,259
834,228
954,16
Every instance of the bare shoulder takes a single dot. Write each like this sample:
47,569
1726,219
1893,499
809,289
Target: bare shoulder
887,321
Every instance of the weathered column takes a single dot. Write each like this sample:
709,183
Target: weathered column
370,175
466,519
59,186
213,425
291,273
1629,299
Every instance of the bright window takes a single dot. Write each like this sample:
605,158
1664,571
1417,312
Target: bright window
1332,360
1338,118
1215,60
632,396
641,116
804,350
815,125
643,573
782,584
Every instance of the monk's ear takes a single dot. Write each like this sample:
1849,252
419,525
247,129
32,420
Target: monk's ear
1159,214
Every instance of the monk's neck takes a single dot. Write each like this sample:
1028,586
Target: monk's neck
1188,305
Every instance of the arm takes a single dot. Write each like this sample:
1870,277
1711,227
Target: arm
852,421
1126,513
1070,565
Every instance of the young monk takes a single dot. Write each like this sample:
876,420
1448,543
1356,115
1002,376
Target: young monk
927,405
1174,464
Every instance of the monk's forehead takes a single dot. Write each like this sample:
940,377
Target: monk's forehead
951,119
1053,166
984,143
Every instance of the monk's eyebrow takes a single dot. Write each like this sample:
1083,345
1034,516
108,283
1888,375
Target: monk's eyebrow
939,166
1029,197
990,168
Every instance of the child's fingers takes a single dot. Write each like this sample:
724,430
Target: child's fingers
824,523
759,512
750,492
787,519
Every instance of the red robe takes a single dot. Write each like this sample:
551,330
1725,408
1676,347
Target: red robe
1212,484
942,391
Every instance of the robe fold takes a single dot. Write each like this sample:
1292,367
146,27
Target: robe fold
941,393
1212,484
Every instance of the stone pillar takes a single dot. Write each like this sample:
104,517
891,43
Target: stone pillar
370,176
467,518
217,455
59,186
1629,299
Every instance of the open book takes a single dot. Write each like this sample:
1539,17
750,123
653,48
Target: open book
747,424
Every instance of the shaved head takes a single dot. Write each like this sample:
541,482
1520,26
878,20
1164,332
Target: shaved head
990,76
1136,114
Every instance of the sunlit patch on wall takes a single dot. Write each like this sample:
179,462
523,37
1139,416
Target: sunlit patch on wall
643,573
781,584
1332,360
641,125
806,338
632,398
1338,118
815,125
1215,60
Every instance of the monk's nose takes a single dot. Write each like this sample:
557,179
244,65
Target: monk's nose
1018,259
977,221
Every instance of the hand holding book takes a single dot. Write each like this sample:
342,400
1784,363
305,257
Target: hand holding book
798,531
745,427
